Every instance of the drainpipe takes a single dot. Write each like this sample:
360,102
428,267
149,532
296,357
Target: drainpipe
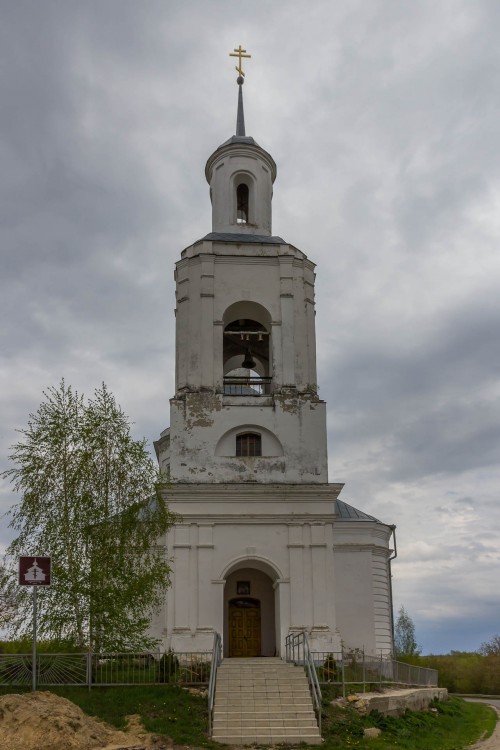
393,529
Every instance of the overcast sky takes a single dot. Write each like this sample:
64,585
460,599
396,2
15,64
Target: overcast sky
384,120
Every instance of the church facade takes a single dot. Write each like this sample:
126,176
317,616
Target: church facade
264,545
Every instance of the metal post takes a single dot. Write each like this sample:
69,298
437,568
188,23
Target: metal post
89,668
33,660
343,673
364,671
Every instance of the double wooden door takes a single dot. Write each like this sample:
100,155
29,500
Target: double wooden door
244,627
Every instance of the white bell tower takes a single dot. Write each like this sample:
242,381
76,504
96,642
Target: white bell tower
263,546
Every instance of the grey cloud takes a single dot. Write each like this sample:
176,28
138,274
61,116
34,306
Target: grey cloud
384,123
431,405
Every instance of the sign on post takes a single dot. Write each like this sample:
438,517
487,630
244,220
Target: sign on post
34,571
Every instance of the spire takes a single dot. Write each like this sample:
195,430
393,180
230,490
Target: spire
240,117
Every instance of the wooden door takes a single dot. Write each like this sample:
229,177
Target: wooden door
244,628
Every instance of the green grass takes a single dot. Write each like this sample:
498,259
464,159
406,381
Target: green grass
455,725
173,712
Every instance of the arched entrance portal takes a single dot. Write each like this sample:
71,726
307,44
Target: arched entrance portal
249,619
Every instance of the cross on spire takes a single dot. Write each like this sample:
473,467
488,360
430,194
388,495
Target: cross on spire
240,54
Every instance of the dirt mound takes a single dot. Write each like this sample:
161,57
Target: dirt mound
43,721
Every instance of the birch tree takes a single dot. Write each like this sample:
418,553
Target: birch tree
404,635
90,499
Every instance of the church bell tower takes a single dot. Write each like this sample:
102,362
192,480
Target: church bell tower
255,551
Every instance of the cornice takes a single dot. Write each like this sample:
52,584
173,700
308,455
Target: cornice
258,519
240,149
231,491
354,547
243,252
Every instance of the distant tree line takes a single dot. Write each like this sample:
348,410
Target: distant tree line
459,671
464,672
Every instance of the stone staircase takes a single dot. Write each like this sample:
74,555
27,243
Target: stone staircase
264,701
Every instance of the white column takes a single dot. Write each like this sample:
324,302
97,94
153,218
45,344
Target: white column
205,558
298,617
276,354
193,578
206,321
281,613
218,344
289,344
319,576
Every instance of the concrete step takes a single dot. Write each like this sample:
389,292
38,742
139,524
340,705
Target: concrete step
250,690
292,712
235,704
269,738
220,724
263,701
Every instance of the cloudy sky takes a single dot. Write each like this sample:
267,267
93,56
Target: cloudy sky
384,120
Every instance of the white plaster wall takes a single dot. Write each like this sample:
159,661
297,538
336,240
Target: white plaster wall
382,601
272,515
199,421
362,594
226,168
212,277
354,598
330,577
286,534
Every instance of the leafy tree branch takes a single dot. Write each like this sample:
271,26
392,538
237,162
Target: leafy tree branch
90,499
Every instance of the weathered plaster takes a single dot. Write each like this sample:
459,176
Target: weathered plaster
273,516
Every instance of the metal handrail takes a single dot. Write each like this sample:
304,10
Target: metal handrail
216,660
298,652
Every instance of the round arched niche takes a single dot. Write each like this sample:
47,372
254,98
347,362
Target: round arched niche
270,444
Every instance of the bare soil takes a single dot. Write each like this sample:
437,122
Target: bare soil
493,742
44,721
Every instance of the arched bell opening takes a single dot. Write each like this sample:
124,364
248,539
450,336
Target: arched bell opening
242,204
246,351
243,198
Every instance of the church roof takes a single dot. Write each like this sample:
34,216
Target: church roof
347,512
242,238
240,139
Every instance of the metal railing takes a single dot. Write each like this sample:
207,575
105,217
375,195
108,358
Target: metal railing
246,386
343,669
50,669
106,669
216,660
365,671
297,651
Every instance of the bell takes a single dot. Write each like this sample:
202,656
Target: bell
249,362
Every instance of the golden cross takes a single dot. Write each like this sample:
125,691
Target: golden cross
239,53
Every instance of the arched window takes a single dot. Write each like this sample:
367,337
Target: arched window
242,197
249,444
